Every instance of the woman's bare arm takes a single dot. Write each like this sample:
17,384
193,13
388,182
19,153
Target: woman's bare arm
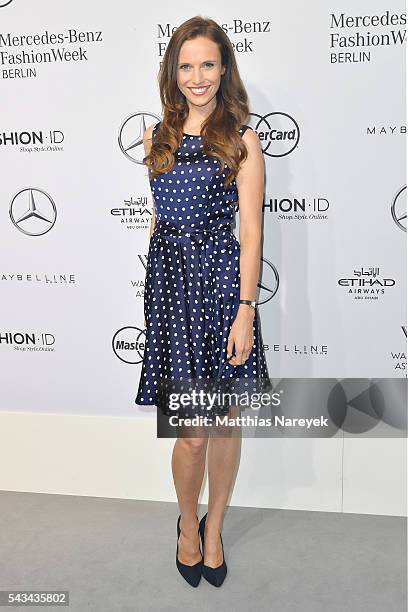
147,143
250,184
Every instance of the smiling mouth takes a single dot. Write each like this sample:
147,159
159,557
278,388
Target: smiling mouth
199,91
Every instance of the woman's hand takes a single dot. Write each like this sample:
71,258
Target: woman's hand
241,335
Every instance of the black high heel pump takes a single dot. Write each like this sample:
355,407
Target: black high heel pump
191,573
214,575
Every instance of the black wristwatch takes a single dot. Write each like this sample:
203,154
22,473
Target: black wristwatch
249,302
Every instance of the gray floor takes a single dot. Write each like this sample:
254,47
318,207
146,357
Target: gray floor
115,555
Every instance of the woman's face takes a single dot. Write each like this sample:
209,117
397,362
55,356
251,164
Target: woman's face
199,71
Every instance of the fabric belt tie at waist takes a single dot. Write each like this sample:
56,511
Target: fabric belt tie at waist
209,255
161,228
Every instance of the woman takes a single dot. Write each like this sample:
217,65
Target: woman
200,310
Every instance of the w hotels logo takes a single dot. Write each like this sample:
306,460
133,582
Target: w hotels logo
279,133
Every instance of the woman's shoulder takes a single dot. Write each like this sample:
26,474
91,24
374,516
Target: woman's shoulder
249,135
155,126
150,131
148,137
244,128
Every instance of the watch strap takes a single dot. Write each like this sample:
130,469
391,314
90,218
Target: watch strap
249,302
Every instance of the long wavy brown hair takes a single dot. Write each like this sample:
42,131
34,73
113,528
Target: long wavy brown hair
219,131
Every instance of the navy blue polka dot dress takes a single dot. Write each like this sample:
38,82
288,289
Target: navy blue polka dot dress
192,286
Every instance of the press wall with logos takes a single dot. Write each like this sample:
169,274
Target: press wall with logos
79,87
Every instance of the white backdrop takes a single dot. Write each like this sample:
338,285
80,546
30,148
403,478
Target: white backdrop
79,83
72,295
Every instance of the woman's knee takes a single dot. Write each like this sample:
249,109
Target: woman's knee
194,446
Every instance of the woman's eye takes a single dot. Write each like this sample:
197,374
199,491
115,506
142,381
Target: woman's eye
206,65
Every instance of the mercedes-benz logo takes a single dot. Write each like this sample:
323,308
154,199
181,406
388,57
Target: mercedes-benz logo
268,288
278,132
399,208
33,211
131,134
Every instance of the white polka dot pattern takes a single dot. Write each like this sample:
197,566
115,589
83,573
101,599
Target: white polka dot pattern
192,277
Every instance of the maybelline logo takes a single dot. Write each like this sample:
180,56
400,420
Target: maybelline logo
386,130
63,278
353,34
310,350
131,132
366,284
297,209
399,208
278,132
28,341
33,141
23,62
33,211
128,344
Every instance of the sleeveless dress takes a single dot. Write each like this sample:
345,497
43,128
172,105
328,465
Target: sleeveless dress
192,285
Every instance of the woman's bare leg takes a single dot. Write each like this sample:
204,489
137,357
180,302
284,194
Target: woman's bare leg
223,457
188,465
